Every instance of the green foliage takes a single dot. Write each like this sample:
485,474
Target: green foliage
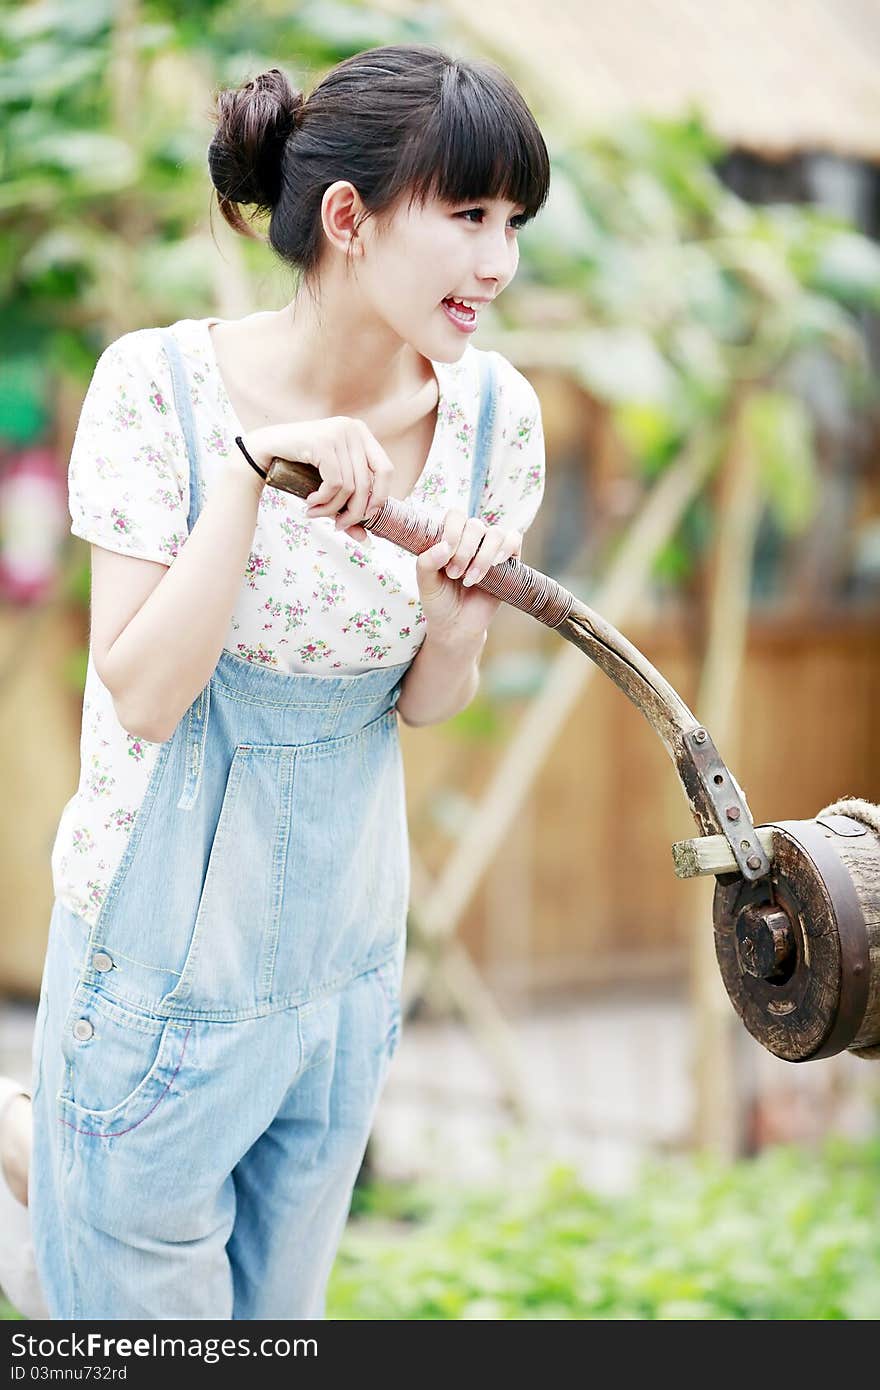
23,411
687,304
778,430
479,721
105,120
787,1235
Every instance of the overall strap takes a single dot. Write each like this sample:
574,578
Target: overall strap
485,431
183,405
194,725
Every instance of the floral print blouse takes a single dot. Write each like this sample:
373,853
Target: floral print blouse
311,598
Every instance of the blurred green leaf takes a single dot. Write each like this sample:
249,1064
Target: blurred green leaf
479,721
778,428
24,410
624,364
848,267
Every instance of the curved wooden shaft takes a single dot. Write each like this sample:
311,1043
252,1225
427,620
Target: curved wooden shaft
715,799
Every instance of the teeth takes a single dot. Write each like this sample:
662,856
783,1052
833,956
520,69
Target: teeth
467,302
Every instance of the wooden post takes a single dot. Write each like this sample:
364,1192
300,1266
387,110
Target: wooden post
718,1120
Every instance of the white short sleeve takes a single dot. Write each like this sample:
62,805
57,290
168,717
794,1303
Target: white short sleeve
515,485
128,477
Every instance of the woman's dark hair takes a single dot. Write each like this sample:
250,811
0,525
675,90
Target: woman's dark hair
400,119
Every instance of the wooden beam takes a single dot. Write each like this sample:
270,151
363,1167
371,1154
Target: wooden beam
711,854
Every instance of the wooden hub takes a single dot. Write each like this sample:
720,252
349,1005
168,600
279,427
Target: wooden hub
765,943
793,947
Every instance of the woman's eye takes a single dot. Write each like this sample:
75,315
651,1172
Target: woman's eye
517,222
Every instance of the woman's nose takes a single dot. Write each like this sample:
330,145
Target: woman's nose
498,267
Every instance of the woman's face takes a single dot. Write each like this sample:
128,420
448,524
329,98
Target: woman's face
468,250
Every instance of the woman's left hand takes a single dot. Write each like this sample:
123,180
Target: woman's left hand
454,608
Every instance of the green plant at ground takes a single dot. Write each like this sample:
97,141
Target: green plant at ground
790,1234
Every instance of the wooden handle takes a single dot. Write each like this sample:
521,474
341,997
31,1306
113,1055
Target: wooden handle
513,582
715,798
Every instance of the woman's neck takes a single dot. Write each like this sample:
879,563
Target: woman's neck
256,365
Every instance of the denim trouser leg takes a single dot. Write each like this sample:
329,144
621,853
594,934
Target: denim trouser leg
132,1224
225,1194
294,1185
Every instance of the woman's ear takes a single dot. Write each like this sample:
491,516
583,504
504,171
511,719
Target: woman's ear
341,213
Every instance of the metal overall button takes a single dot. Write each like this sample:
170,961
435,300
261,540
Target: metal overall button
82,1029
101,961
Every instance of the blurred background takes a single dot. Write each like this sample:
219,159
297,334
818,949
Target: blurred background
576,1124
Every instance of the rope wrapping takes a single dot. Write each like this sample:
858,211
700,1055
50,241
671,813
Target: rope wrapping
513,581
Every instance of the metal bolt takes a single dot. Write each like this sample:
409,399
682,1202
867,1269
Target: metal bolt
764,941
753,861
700,736
733,813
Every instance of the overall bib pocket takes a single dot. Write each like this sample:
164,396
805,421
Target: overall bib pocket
305,883
347,882
229,962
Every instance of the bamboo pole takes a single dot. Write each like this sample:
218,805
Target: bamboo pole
717,1116
126,85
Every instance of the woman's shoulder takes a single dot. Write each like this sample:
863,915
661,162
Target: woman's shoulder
146,346
520,392
138,364
471,368
515,393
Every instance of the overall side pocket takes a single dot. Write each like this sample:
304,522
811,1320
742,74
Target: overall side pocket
118,1062
388,976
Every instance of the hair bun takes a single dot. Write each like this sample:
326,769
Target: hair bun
253,123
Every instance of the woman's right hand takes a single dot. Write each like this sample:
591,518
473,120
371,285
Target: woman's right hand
355,471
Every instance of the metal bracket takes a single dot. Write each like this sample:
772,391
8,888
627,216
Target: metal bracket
732,815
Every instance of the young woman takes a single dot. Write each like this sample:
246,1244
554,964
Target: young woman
221,995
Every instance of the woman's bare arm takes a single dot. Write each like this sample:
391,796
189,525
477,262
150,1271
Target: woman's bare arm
442,680
157,631
156,639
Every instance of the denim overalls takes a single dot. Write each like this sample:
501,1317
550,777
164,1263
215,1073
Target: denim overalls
209,1056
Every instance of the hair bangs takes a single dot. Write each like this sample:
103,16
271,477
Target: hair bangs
480,142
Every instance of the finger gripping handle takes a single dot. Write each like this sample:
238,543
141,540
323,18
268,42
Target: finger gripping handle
511,581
